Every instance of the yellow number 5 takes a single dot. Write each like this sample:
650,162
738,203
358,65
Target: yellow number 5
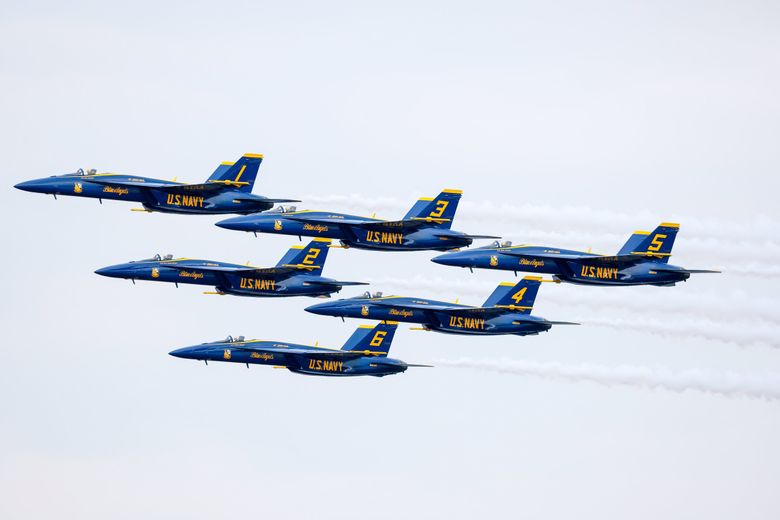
657,242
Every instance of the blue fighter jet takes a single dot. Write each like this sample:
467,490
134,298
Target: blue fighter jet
643,260
426,226
364,354
298,273
228,190
506,311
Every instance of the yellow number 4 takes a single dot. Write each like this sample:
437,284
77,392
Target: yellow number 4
518,296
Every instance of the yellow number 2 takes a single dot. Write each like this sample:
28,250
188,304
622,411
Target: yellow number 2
313,254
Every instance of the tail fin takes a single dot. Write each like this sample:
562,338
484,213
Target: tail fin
633,242
519,296
659,242
312,256
240,174
442,207
375,339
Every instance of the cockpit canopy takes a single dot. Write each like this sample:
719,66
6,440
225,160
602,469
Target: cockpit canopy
157,258
282,209
367,295
231,339
497,244
81,172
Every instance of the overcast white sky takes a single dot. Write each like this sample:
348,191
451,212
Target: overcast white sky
568,125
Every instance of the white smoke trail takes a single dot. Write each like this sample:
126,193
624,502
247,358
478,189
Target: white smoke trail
735,331
758,229
727,384
707,305
725,243
736,318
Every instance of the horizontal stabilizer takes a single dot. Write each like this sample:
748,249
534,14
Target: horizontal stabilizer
334,282
281,201
686,271
465,235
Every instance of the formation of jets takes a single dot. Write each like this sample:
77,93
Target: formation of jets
643,260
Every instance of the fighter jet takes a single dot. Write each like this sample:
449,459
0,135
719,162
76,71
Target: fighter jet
506,311
426,226
298,273
364,354
643,260
228,190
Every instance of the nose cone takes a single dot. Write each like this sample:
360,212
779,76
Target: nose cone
238,223
323,309
457,259
34,186
184,353
116,271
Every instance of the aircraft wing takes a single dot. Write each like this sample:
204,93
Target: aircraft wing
326,353
486,312
412,223
543,256
419,306
246,271
130,184
324,220
631,258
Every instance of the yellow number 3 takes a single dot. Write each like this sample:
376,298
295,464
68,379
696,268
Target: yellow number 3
440,207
